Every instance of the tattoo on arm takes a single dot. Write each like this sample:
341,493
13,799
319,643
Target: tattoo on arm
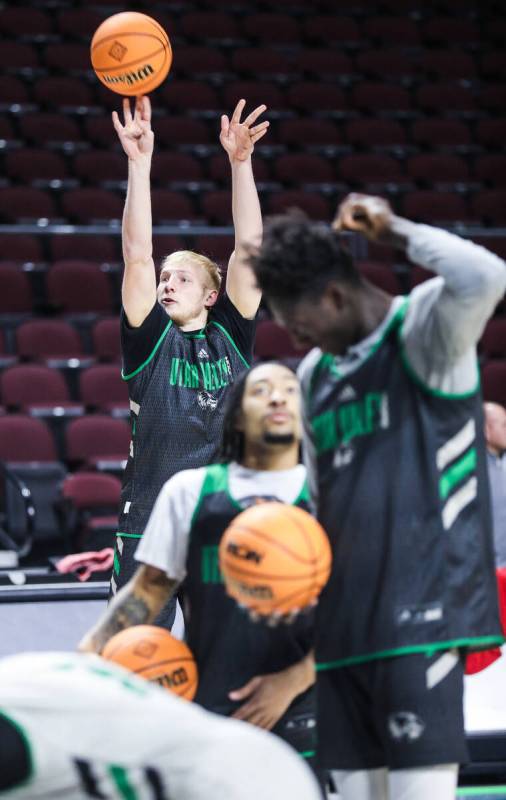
132,611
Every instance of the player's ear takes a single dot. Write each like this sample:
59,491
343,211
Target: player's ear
211,298
333,295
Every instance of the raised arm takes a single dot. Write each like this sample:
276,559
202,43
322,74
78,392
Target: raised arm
238,139
137,603
139,279
445,318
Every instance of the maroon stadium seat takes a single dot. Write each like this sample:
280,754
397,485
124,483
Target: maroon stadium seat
75,286
35,164
97,166
201,26
57,92
492,97
311,96
21,247
62,57
490,206
87,204
23,439
187,95
307,132
296,168
491,132
451,30
18,55
13,91
381,97
441,132
25,20
90,502
26,385
15,290
380,275
195,61
448,63
95,438
491,169
493,378
106,339
318,63
219,248
391,30
42,127
261,62
331,29
442,97
385,63
493,341
219,169
255,93
375,132
373,168
315,205
273,342
169,167
96,247
47,338
432,168
183,130
168,206
436,207
271,27
216,207
18,203
493,64
78,23
102,388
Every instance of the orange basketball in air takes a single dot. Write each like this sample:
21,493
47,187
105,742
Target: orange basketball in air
274,558
131,53
153,653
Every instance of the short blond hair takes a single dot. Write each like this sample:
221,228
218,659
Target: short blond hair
210,267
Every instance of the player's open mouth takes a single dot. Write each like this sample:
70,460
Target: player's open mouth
167,301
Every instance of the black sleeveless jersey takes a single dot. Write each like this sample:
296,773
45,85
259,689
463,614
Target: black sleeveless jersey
403,495
177,401
228,647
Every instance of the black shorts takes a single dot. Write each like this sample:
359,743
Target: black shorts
392,712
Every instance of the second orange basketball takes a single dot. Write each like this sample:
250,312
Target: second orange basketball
274,558
131,53
154,654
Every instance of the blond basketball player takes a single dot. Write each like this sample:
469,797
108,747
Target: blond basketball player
73,726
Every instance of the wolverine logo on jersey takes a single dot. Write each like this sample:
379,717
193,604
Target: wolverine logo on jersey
240,551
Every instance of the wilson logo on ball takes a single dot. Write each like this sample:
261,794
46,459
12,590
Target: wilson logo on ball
239,551
130,77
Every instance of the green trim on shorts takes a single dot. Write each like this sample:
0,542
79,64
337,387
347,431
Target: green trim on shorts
150,357
226,333
479,791
308,754
129,535
478,643
29,751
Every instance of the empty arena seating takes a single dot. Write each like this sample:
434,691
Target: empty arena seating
391,96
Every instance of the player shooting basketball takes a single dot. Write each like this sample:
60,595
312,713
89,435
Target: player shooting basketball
246,670
182,345
395,450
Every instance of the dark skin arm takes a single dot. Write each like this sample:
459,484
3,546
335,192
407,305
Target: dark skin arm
137,603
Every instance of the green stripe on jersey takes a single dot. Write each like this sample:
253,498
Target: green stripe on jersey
457,472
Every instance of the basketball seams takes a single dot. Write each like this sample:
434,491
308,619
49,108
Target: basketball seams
130,63
270,540
164,662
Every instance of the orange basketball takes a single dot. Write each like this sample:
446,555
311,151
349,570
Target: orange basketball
131,53
274,558
153,653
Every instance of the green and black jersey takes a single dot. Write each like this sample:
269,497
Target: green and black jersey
177,384
397,457
182,539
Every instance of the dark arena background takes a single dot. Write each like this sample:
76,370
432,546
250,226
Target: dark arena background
398,98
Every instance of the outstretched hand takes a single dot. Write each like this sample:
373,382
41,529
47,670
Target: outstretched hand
135,135
239,138
365,214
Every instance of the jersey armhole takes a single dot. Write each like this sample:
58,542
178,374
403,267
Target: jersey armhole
135,372
17,770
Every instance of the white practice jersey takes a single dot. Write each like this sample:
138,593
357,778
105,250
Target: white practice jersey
95,730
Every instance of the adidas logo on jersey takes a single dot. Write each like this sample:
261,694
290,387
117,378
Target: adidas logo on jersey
348,393
202,353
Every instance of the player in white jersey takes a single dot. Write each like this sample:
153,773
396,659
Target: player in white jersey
74,726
